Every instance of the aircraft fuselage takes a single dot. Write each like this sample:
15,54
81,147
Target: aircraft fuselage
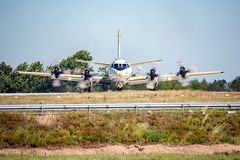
119,72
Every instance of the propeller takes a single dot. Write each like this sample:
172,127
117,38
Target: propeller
87,75
56,72
87,82
152,82
182,70
152,74
140,72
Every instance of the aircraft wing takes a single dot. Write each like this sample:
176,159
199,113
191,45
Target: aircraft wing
173,76
67,77
203,73
143,62
41,74
138,80
91,62
71,77
167,77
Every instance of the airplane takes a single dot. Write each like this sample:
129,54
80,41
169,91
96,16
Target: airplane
119,72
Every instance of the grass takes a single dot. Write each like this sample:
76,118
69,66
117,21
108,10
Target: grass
220,156
127,127
125,97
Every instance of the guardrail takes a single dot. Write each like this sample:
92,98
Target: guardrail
62,107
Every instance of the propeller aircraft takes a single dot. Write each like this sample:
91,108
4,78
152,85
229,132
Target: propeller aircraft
119,73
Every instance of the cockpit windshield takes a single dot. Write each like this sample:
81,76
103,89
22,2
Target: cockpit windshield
120,66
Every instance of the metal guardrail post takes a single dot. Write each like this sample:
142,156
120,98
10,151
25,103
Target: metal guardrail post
229,106
182,106
88,108
41,110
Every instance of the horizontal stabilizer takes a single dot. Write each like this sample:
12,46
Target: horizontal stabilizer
143,62
91,62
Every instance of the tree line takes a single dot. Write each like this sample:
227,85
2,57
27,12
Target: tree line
11,82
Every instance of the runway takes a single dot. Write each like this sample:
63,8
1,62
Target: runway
66,107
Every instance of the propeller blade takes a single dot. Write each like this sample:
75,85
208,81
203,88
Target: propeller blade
193,68
140,71
57,62
180,62
56,83
84,84
77,71
67,71
185,84
154,65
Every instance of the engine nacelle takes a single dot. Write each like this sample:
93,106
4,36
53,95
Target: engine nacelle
56,72
182,72
56,83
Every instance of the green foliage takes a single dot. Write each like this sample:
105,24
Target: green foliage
217,85
71,63
155,136
117,127
5,69
12,82
5,83
168,85
196,85
5,78
235,84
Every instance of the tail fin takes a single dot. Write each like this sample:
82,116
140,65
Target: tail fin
118,54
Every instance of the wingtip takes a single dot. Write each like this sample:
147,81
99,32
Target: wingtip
221,72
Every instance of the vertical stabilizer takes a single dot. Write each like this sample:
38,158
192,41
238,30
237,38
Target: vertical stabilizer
119,54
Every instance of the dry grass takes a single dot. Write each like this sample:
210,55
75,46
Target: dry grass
125,97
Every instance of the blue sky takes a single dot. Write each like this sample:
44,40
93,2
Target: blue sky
203,33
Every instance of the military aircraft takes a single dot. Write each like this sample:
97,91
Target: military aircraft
119,72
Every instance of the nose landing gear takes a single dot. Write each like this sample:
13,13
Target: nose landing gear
120,85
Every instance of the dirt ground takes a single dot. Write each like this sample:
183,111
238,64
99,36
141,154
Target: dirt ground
125,149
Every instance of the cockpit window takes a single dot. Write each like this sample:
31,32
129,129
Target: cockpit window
120,66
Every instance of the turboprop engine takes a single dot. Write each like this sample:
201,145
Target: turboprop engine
152,80
86,83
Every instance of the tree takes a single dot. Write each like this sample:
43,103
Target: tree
75,67
167,85
5,69
20,82
217,85
196,85
26,83
71,63
5,78
6,83
235,84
